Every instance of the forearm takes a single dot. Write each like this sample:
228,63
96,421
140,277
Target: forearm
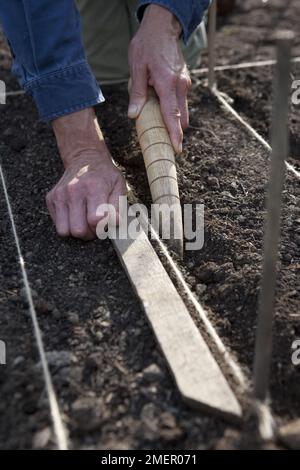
188,12
79,134
49,58
163,19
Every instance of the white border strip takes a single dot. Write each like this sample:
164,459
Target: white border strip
58,426
243,65
250,129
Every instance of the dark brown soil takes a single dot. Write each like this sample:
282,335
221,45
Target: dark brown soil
248,33
85,308
253,100
99,345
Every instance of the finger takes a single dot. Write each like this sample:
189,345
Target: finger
50,206
62,219
78,223
115,202
96,209
138,91
182,92
171,114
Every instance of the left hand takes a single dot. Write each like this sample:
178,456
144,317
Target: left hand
156,59
90,182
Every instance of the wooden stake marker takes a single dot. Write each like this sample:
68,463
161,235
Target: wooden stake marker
212,26
197,375
160,165
280,147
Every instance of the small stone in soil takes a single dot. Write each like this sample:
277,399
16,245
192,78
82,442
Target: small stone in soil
191,264
297,211
213,182
152,372
290,435
168,420
60,359
200,289
73,318
18,360
287,257
88,413
148,412
206,273
41,438
222,271
44,307
38,282
99,335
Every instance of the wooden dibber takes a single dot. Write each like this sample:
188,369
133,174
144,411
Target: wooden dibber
160,165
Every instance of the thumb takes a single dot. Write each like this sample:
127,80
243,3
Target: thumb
138,93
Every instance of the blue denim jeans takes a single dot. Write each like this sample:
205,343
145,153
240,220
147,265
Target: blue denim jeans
50,58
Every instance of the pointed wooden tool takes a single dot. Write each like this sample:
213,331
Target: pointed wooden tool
160,165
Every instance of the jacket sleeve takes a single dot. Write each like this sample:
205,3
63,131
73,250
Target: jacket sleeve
188,12
49,58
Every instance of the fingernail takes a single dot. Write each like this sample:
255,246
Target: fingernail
132,110
178,148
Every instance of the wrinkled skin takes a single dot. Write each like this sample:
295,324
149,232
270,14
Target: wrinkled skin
155,59
90,178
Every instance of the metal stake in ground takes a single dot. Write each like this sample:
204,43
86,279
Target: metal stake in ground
211,44
280,146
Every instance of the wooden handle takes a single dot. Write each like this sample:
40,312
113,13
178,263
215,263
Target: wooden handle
160,163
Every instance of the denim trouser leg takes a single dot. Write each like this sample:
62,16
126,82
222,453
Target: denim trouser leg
108,26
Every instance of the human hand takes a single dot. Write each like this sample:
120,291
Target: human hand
156,59
90,178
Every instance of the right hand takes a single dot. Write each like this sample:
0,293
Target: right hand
90,178
156,60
